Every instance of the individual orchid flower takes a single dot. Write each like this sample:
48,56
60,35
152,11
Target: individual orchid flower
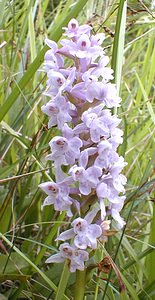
87,178
109,189
57,83
58,110
58,195
74,30
52,59
75,257
105,93
100,122
64,151
114,209
85,234
101,69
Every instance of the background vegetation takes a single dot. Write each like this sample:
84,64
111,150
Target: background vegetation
27,232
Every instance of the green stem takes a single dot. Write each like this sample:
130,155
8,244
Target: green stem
151,257
63,282
80,285
96,289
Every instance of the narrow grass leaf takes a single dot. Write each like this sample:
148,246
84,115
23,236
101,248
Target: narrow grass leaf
2,8
149,106
150,261
130,288
32,35
118,46
63,282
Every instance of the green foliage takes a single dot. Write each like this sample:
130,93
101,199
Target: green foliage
27,233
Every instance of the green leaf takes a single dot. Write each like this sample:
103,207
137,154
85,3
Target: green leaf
118,46
13,265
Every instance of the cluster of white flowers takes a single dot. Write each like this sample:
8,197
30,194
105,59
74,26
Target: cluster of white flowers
81,99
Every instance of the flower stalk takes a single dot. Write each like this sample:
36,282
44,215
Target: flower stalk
80,285
63,282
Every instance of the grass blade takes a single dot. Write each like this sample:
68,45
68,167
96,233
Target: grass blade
118,46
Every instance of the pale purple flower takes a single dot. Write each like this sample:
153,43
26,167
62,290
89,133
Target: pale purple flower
109,189
52,62
58,110
64,152
116,215
52,59
85,234
88,78
67,132
75,257
108,159
106,156
91,89
114,209
97,39
108,94
78,92
117,167
100,122
100,69
105,93
118,182
87,178
116,138
74,30
82,48
57,83
58,195
53,45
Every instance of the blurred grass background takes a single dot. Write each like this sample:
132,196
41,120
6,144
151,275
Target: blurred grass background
28,233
